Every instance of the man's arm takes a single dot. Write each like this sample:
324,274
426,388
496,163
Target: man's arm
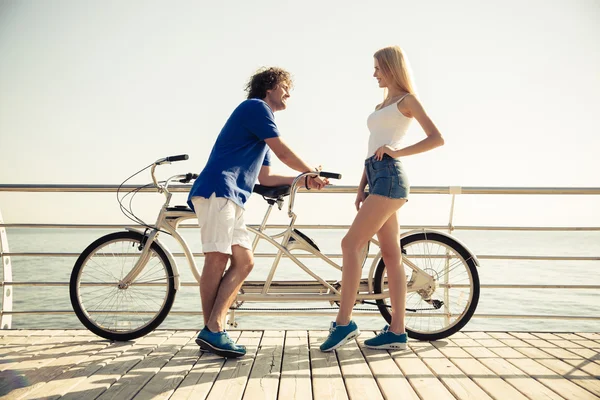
287,155
267,179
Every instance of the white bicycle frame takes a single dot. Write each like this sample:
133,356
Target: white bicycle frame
169,219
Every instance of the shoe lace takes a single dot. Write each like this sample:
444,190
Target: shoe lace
332,328
383,331
229,340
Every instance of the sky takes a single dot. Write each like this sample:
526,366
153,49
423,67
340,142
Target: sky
91,92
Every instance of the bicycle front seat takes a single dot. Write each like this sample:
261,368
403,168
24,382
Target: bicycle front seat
272,192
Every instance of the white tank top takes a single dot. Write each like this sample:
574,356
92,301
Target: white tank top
387,126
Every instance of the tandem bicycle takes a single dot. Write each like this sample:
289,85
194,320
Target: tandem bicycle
123,285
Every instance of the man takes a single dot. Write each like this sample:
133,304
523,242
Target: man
240,156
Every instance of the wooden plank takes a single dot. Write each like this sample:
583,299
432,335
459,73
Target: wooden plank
546,335
490,343
539,343
198,382
65,382
135,379
566,344
500,335
266,371
425,350
101,379
19,346
515,342
591,368
590,335
563,353
551,379
295,372
480,352
518,379
523,335
392,383
460,385
507,352
14,332
38,377
232,379
478,335
450,349
491,383
586,381
423,381
25,362
327,382
467,342
359,381
167,379
590,344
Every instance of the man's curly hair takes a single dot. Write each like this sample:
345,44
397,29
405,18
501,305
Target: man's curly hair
266,79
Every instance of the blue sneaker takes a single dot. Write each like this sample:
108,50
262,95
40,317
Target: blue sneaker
219,343
339,335
388,340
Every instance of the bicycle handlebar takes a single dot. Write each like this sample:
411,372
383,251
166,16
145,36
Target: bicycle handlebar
170,159
332,175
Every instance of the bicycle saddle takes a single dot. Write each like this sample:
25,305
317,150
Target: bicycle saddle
272,192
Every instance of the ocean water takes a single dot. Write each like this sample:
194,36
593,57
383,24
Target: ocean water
581,302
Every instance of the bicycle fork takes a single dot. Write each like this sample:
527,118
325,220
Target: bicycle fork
142,260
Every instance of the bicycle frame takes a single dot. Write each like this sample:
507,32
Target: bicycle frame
169,219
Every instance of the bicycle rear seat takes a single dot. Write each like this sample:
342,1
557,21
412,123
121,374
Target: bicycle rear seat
272,192
179,208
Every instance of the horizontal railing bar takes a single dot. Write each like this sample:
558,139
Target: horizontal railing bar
333,311
327,227
85,188
195,284
334,255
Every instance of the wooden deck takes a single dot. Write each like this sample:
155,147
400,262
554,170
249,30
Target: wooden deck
75,364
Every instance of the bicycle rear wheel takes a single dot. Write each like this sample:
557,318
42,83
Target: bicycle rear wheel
121,313
443,312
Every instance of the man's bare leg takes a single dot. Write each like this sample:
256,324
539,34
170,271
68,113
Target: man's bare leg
212,274
242,262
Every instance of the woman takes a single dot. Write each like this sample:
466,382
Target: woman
388,191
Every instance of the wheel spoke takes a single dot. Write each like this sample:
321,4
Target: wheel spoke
107,303
441,258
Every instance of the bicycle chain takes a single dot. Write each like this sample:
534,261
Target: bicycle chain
300,309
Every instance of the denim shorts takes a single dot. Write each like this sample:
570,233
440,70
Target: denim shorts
387,177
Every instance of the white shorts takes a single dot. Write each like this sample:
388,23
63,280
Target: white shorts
221,224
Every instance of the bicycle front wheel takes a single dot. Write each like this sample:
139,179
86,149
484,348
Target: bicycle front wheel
112,311
447,307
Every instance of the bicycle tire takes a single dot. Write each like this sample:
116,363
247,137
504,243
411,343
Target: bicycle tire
461,314
104,258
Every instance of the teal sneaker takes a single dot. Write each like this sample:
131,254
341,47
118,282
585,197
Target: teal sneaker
388,340
219,343
339,335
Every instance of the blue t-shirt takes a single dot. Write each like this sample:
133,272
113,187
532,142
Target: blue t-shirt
238,154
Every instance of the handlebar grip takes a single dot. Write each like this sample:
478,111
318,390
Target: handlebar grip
188,177
177,158
332,175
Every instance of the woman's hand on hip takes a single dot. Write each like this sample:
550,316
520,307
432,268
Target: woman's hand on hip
380,152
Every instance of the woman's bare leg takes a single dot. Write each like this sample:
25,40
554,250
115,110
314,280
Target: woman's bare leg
375,211
389,243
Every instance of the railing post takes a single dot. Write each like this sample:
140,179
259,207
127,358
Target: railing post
454,190
5,286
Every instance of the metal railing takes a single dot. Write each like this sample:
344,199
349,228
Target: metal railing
7,283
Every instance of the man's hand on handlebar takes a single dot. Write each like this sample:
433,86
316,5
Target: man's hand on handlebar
316,182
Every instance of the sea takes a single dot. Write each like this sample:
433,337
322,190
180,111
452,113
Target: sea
547,302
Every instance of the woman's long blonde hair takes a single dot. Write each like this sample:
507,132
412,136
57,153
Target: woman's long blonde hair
394,65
